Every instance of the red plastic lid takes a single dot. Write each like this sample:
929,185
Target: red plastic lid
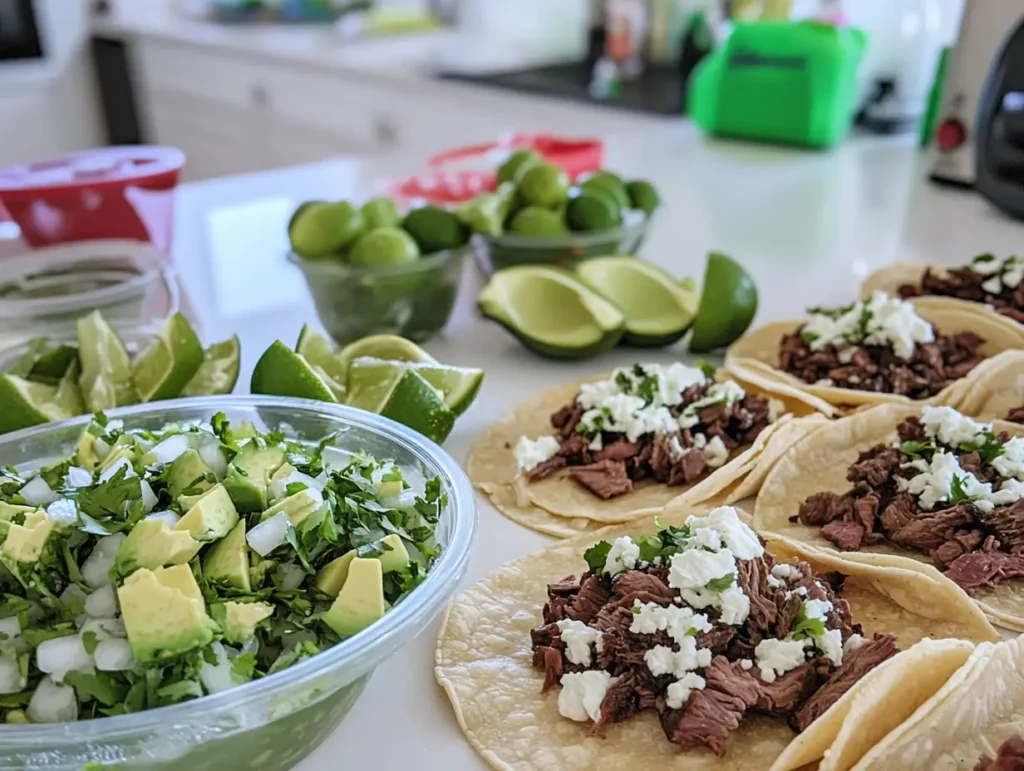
94,169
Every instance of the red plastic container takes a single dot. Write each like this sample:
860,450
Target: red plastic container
113,192
446,186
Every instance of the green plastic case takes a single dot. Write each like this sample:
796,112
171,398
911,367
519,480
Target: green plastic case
785,82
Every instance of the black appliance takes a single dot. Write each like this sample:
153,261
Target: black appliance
19,31
999,129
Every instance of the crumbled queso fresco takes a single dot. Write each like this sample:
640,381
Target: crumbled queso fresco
941,479
1008,272
636,401
877,320
704,571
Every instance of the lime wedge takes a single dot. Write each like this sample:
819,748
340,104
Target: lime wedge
390,347
458,385
552,312
106,369
320,352
397,391
52,365
282,372
658,309
34,349
163,370
727,305
69,395
27,404
219,371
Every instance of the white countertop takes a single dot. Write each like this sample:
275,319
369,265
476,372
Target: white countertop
808,226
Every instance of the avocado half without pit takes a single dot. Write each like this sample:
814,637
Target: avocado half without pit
552,312
659,310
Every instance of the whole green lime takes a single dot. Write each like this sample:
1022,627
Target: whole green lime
544,185
644,196
384,246
610,183
519,159
538,221
324,229
593,210
380,213
435,229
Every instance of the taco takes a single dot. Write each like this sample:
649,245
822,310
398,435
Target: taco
974,721
999,395
879,349
622,446
911,486
988,280
696,644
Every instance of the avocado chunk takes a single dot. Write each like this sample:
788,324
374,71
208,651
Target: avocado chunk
11,513
85,452
240,619
331,577
212,517
297,506
228,560
164,614
151,544
361,600
249,474
395,556
188,472
25,543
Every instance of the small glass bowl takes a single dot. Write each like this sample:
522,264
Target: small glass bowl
413,300
495,253
273,723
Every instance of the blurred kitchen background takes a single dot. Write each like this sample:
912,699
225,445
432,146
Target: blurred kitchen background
245,85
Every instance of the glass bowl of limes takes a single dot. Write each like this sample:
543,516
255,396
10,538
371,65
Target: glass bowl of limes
372,271
536,216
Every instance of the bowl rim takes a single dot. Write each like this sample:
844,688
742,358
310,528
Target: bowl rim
330,266
574,240
436,588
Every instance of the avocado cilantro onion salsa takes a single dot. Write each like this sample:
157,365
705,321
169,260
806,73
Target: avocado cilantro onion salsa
700,624
878,344
949,487
154,567
673,424
986,279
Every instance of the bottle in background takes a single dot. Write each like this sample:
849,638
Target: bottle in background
625,35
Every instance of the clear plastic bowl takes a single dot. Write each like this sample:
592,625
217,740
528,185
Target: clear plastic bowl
495,253
273,723
413,300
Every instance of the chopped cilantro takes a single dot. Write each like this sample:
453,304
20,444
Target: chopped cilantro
89,641
805,627
707,368
243,667
597,555
988,447
650,547
956,490
110,499
917,449
102,686
721,584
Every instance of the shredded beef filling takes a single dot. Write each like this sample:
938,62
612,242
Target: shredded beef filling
1009,757
1016,415
612,470
965,284
976,549
932,367
709,715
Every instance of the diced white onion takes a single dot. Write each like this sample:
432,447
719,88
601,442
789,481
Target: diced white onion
213,457
37,493
167,516
96,568
104,628
61,655
292,575
279,487
404,500
101,448
63,512
269,534
11,679
121,463
102,603
217,677
171,448
77,477
52,703
149,499
114,655
73,594
10,626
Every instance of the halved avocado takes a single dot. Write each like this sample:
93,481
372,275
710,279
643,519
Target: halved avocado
552,312
659,311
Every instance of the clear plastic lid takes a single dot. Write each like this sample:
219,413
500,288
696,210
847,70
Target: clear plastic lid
44,292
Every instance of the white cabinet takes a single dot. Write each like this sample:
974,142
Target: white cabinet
26,127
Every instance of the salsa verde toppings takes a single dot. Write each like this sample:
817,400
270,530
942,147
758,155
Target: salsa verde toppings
672,423
877,344
153,567
950,487
986,279
700,624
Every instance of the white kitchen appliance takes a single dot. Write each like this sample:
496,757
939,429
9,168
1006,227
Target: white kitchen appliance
984,28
